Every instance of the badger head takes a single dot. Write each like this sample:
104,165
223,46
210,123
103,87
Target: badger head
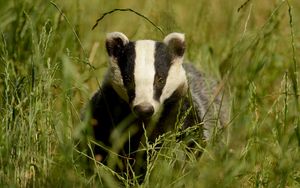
146,73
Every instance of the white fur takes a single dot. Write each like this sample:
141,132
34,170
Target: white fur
176,77
144,72
171,36
113,35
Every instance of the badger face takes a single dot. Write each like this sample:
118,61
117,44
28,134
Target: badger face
146,73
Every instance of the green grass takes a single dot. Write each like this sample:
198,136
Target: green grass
51,62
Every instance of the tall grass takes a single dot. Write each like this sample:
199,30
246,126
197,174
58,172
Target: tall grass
51,62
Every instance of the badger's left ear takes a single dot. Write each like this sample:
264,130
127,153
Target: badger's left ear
115,42
176,44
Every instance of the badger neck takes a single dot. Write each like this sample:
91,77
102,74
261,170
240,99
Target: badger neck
170,112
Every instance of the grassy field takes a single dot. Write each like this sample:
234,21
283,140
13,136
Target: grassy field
51,62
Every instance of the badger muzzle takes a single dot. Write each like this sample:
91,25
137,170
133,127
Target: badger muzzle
143,110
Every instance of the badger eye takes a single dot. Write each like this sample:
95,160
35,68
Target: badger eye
160,80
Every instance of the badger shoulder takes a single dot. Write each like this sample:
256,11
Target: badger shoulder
107,109
208,99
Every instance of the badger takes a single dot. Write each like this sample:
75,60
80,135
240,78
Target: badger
148,81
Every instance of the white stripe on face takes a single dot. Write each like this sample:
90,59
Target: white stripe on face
144,72
176,77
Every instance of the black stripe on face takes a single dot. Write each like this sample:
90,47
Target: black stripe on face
162,64
126,62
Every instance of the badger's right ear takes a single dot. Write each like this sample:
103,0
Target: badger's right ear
115,41
175,43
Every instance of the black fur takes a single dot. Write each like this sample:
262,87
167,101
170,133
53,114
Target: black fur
111,114
162,65
109,111
126,62
176,47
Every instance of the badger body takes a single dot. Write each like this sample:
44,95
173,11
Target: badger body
146,91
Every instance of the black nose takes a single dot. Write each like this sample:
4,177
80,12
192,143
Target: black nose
143,110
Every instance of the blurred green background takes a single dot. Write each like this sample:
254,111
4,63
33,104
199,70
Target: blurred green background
51,61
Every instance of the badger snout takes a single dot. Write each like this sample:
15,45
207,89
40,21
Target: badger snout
143,110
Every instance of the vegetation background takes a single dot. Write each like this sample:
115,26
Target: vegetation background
51,62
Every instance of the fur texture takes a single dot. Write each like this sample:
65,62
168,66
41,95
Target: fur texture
148,82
